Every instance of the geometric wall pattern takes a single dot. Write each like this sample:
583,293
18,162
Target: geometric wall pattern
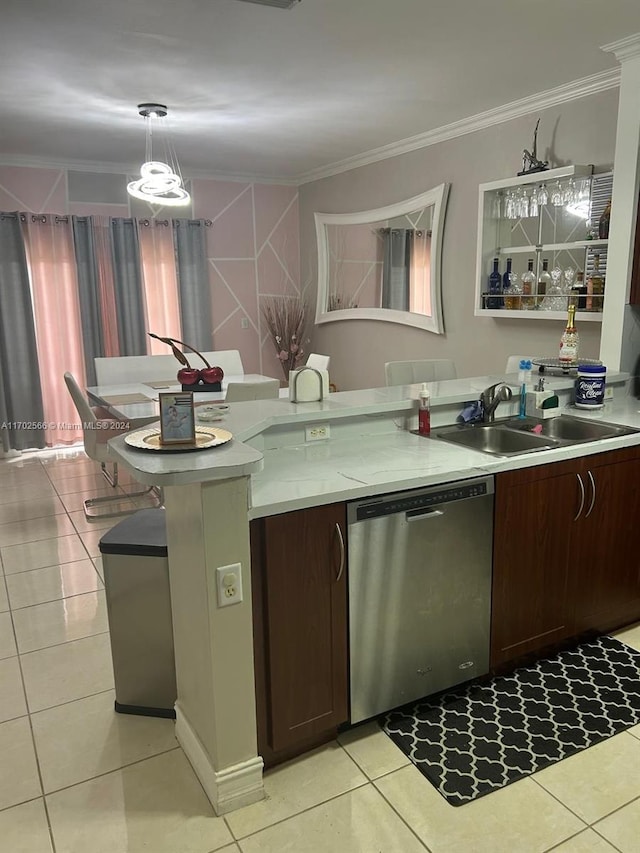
253,246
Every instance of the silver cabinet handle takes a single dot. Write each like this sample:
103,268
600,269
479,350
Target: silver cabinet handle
593,493
581,507
342,551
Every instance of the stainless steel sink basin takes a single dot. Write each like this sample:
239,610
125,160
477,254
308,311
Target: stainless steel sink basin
495,438
514,436
569,429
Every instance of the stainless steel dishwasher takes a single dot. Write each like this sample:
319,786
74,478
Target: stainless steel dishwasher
419,592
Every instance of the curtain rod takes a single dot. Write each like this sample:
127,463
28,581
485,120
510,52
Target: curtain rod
42,217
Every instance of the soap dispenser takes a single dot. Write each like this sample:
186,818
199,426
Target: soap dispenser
424,411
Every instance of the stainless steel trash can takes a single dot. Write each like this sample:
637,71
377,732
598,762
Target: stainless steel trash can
136,580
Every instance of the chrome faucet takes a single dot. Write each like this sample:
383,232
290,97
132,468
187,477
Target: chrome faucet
491,398
294,385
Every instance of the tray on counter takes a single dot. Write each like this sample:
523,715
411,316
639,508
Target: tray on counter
555,366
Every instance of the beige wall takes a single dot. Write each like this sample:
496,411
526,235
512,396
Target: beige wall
581,131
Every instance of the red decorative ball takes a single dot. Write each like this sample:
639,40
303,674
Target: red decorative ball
211,374
188,376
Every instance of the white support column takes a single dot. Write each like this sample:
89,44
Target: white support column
626,180
207,527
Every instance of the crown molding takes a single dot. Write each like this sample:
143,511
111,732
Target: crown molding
572,91
134,169
624,49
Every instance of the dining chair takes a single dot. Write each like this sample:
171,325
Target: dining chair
320,362
424,370
96,431
238,391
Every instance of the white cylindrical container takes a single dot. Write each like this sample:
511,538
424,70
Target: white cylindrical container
589,386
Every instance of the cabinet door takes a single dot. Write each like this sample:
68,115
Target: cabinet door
531,607
305,602
605,560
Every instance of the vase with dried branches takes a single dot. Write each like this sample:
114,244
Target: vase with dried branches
286,321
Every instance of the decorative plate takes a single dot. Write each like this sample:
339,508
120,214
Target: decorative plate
211,413
149,439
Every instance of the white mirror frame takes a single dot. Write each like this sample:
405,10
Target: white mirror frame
438,197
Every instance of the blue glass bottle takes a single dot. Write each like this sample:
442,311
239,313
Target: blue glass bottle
494,300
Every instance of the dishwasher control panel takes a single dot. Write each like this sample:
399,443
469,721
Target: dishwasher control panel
425,498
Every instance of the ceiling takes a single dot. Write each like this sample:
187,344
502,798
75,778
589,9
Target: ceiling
279,94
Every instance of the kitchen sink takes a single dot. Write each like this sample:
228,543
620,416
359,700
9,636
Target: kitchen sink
498,439
567,428
529,435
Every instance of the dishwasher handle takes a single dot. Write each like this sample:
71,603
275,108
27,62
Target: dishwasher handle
422,514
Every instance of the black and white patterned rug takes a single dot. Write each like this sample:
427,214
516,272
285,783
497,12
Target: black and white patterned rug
475,739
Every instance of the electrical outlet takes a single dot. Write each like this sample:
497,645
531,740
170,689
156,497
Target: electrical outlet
608,393
229,584
316,432
244,323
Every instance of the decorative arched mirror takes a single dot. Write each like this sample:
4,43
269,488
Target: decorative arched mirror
383,264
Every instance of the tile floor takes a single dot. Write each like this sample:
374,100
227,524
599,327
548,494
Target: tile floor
77,778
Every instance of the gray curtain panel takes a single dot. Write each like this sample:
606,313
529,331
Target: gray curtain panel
395,268
127,281
89,294
193,282
20,392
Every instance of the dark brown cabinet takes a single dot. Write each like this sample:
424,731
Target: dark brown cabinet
300,628
566,558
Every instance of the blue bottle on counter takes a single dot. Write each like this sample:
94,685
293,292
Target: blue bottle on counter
589,386
494,300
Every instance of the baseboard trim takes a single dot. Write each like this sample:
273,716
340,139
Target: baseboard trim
227,789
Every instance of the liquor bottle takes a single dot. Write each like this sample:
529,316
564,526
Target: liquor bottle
603,222
544,282
494,300
579,291
528,287
569,341
507,281
595,287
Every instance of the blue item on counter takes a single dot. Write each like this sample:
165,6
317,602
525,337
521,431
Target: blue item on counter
471,412
524,374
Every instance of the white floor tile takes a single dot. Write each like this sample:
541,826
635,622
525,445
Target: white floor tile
60,621
97,562
156,806
35,529
83,739
300,784
91,539
630,636
82,483
12,701
53,583
24,829
19,777
372,750
22,510
359,822
7,640
4,599
597,780
622,828
520,817
33,491
45,552
585,842
67,672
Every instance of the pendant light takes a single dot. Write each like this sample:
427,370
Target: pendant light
160,181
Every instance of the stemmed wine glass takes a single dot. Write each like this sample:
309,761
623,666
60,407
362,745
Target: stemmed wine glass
556,195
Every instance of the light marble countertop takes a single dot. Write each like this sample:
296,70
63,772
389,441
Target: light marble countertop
370,451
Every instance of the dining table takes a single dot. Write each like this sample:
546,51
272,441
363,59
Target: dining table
137,402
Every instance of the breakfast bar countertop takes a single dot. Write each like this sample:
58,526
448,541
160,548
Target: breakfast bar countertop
369,451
